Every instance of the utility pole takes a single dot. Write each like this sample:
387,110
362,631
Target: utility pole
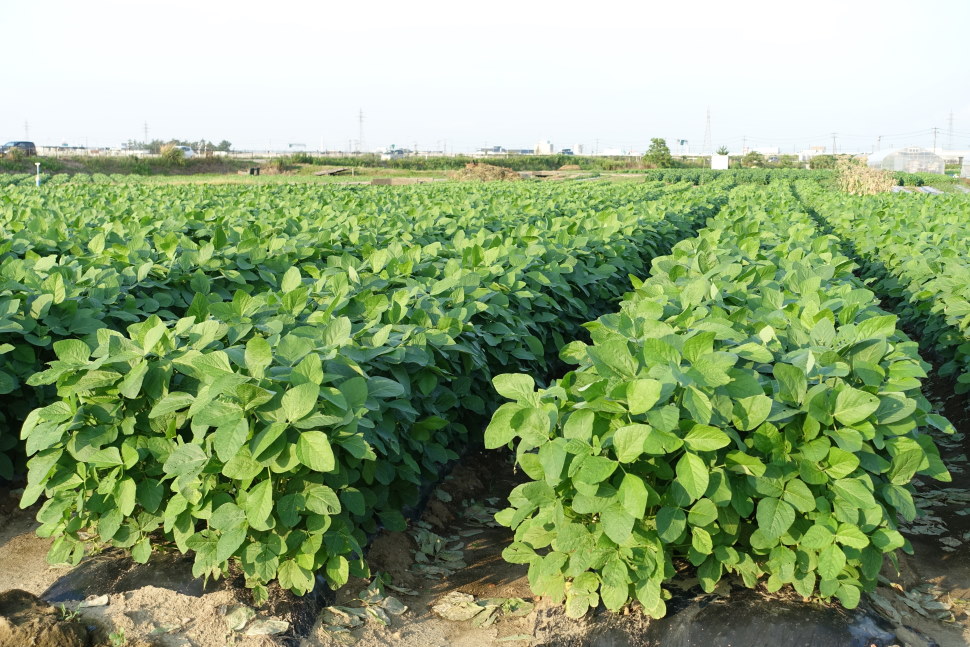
744,144
360,129
935,131
879,142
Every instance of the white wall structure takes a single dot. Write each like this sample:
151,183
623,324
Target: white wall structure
720,162
545,147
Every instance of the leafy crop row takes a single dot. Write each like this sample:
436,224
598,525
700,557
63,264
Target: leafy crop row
699,176
265,376
915,247
750,409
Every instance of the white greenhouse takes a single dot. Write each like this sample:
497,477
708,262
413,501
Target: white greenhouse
910,160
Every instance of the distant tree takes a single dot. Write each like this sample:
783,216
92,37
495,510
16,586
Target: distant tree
754,159
172,155
723,150
787,161
822,161
223,146
658,155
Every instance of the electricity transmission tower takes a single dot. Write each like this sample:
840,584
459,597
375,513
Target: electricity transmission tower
708,147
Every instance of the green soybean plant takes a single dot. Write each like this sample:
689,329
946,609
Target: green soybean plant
750,409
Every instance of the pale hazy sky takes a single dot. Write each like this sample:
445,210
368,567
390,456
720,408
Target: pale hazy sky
269,73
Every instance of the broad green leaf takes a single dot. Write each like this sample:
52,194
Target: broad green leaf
702,513
500,431
854,492
294,577
259,355
642,395
229,542
841,463
792,381
775,517
227,516
851,536
514,386
338,570
73,351
291,280
817,537
704,438
300,401
671,523
259,505
701,541
186,460
879,327
698,405
313,450
617,523
831,561
692,475
628,442
853,406
750,412
799,495
125,496
172,402
552,457
633,495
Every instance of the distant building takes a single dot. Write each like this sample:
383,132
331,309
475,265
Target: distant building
545,147
492,151
954,157
807,154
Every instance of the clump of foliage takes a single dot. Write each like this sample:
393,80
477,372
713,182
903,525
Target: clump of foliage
173,155
753,159
822,162
658,155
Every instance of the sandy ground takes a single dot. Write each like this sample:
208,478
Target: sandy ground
22,553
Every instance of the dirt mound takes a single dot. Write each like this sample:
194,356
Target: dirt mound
27,620
485,173
570,167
